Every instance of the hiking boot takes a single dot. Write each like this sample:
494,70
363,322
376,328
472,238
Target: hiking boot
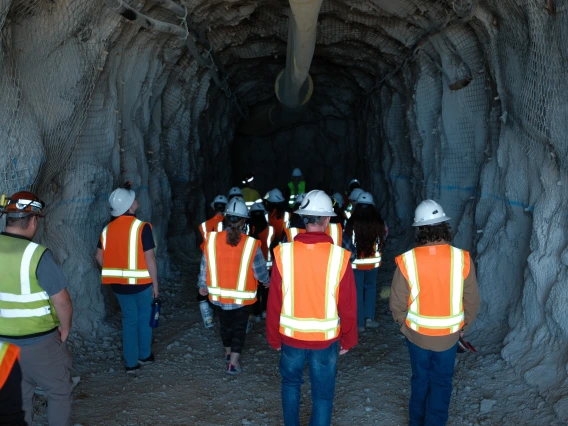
132,370
371,323
147,361
234,369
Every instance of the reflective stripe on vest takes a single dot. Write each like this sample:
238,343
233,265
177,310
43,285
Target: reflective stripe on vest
220,227
288,321
240,294
249,204
452,321
374,261
132,273
204,229
268,244
9,354
293,194
334,231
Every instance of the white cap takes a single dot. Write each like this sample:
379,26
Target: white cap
258,207
275,196
355,194
316,203
120,201
429,212
296,172
237,207
366,198
338,198
352,181
219,199
235,190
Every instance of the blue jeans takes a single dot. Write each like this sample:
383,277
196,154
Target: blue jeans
431,383
366,283
136,330
322,363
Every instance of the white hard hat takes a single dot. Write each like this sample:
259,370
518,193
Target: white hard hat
219,199
316,203
352,181
275,196
258,207
429,212
338,198
120,201
355,194
366,198
300,198
237,207
296,172
235,190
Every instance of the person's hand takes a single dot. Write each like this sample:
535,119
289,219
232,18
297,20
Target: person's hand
203,291
155,292
64,333
343,351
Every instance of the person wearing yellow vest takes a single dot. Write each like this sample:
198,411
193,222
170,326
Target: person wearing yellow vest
231,265
35,309
250,195
434,297
296,186
365,230
218,205
312,309
11,411
125,253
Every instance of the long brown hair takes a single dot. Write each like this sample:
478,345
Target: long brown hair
234,230
368,226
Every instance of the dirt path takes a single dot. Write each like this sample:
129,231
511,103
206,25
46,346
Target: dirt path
187,385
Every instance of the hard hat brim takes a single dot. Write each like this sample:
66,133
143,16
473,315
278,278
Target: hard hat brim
315,213
433,221
236,215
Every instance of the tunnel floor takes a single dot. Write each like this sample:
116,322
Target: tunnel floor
188,386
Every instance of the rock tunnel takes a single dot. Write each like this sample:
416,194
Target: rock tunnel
455,100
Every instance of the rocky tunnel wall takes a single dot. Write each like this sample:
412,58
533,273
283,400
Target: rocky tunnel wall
461,101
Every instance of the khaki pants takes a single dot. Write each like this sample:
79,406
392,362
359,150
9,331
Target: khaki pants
48,364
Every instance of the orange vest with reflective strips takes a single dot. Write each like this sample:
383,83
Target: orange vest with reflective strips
435,275
210,225
368,263
311,274
335,231
123,254
230,276
278,224
292,232
9,354
266,237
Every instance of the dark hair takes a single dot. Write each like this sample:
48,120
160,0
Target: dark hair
279,208
234,229
433,233
219,207
257,223
340,218
368,226
19,222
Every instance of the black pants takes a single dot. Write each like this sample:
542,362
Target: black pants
234,328
11,410
261,298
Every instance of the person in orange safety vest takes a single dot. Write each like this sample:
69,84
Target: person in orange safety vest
211,225
11,411
126,256
311,311
231,265
434,297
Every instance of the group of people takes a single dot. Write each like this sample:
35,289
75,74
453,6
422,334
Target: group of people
318,257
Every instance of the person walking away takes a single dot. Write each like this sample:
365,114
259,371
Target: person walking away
125,253
277,214
352,201
338,208
11,411
218,205
311,313
296,186
434,297
366,230
250,195
230,267
260,230
353,184
35,309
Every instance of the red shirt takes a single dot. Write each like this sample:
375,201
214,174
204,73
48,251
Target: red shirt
346,306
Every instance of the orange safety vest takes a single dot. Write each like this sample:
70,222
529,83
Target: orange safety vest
335,231
9,354
292,232
266,237
230,276
435,276
368,263
311,274
210,225
278,224
123,254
